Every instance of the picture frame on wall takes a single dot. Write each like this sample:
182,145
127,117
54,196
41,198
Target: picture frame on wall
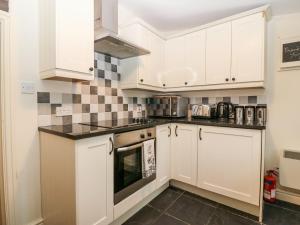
289,53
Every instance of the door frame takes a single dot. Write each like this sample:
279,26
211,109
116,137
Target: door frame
8,192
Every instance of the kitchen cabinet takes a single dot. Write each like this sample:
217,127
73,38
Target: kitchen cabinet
67,39
229,162
76,180
218,54
237,48
143,70
248,38
185,60
184,153
163,154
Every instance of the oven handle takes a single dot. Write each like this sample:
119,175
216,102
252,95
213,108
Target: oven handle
125,149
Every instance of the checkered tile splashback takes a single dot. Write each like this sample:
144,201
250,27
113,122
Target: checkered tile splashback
102,99
97,100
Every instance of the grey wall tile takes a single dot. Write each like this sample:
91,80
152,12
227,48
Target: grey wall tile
43,97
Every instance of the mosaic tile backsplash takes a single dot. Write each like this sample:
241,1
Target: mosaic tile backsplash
97,100
102,98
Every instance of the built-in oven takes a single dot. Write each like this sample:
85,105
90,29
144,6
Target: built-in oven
128,162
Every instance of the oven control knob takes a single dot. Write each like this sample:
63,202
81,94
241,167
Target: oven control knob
149,134
142,135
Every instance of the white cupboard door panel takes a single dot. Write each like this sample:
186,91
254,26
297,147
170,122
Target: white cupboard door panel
163,154
94,182
229,162
248,48
75,35
195,45
218,53
184,153
175,74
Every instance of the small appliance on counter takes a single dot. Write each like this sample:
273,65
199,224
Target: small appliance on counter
167,106
225,110
249,114
239,114
204,111
261,114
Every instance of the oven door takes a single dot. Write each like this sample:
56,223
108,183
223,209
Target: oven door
128,176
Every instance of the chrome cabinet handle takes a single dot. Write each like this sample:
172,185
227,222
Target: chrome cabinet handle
176,131
200,134
170,131
112,146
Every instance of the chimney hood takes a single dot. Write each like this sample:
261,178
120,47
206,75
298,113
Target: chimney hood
106,32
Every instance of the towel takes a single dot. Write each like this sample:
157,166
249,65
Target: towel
148,158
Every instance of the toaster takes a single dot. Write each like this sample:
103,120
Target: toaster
204,111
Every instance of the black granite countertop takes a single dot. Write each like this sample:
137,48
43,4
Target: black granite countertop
80,131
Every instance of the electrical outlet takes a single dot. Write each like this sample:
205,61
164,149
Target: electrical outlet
27,87
64,111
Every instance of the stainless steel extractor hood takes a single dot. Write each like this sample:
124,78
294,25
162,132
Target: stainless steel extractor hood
118,48
106,32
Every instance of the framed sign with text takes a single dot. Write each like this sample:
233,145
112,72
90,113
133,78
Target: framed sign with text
290,53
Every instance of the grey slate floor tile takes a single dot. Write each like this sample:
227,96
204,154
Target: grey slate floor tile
165,199
178,207
145,216
192,211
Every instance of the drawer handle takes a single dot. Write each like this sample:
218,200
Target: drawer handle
176,131
112,146
200,134
170,131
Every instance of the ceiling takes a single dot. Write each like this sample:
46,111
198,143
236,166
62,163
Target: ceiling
174,15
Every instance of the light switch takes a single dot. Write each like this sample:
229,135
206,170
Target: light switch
28,87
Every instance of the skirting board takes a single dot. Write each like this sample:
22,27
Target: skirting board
248,208
140,205
288,197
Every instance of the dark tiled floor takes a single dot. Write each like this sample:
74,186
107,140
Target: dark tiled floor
177,207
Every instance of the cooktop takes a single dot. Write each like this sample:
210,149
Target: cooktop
119,123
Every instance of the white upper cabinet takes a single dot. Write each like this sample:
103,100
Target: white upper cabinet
229,162
195,47
185,60
163,154
218,54
67,39
143,70
248,38
184,153
175,73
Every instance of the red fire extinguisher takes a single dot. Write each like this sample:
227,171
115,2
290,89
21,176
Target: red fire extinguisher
270,186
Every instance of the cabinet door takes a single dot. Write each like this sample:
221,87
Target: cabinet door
94,181
163,147
248,48
175,74
156,61
75,36
229,162
195,57
218,54
184,153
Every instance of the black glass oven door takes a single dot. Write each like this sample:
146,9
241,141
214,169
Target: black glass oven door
128,166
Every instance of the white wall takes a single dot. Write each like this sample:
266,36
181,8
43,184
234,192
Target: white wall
282,92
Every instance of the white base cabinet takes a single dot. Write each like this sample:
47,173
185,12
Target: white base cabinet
229,162
76,180
184,153
163,154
